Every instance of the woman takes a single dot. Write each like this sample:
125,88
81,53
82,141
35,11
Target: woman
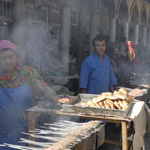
18,84
126,61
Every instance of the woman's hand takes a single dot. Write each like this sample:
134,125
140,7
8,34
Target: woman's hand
63,100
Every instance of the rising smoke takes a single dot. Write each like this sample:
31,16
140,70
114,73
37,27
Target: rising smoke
37,46
46,54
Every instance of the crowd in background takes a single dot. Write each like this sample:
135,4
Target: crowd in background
126,58
124,55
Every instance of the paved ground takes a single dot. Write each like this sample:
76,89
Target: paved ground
111,134
147,141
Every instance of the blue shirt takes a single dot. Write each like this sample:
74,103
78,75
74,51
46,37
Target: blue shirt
96,76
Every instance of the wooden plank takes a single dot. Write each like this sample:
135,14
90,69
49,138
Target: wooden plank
38,110
100,136
87,144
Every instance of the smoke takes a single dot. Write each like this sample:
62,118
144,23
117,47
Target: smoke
141,75
45,52
37,46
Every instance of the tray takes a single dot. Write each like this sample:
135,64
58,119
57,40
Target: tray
71,108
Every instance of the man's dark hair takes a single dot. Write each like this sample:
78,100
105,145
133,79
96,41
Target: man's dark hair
98,38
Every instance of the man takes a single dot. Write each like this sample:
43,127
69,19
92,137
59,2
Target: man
96,75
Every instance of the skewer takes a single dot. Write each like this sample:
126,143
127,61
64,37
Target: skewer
22,147
49,132
42,144
37,133
71,122
62,125
67,128
44,137
61,129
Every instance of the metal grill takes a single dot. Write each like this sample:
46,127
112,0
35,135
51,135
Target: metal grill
58,135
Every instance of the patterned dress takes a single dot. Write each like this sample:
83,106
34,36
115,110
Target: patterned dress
32,79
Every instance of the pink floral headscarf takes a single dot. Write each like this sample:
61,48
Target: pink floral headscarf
7,44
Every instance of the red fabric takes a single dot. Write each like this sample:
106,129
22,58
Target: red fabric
130,51
3,77
25,79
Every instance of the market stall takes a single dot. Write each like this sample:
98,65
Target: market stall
136,112
138,117
105,114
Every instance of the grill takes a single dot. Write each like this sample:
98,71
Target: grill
64,135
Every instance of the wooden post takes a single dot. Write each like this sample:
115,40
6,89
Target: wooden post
31,124
124,135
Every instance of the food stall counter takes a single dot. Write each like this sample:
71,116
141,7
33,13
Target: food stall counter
138,113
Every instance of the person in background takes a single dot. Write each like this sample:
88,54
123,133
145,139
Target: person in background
126,61
121,47
130,52
96,74
140,50
109,48
86,48
72,56
110,52
18,85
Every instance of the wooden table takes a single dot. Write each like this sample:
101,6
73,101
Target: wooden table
33,112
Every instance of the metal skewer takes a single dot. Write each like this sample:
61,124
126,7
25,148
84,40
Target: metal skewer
44,137
22,147
42,144
48,132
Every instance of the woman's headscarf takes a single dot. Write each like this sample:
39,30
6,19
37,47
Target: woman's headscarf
130,51
7,44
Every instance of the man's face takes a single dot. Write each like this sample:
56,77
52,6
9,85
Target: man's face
99,47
